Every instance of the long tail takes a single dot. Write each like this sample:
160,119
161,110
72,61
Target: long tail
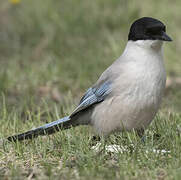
46,129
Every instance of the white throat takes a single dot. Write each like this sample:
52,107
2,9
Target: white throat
155,45
150,44
143,48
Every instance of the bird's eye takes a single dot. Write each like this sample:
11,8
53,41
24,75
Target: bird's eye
164,29
155,30
152,31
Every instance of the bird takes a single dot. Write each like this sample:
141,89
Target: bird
128,93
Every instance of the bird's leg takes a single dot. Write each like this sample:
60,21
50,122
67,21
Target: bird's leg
140,133
95,139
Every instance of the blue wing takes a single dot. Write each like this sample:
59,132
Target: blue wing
93,95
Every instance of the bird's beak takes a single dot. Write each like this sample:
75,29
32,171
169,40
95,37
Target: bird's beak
165,37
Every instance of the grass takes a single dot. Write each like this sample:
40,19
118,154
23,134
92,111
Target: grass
50,53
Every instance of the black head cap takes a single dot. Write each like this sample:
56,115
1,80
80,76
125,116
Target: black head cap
148,28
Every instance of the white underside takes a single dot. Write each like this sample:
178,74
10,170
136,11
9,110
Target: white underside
138,83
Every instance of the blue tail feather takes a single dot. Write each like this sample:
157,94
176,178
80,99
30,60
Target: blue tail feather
49,128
